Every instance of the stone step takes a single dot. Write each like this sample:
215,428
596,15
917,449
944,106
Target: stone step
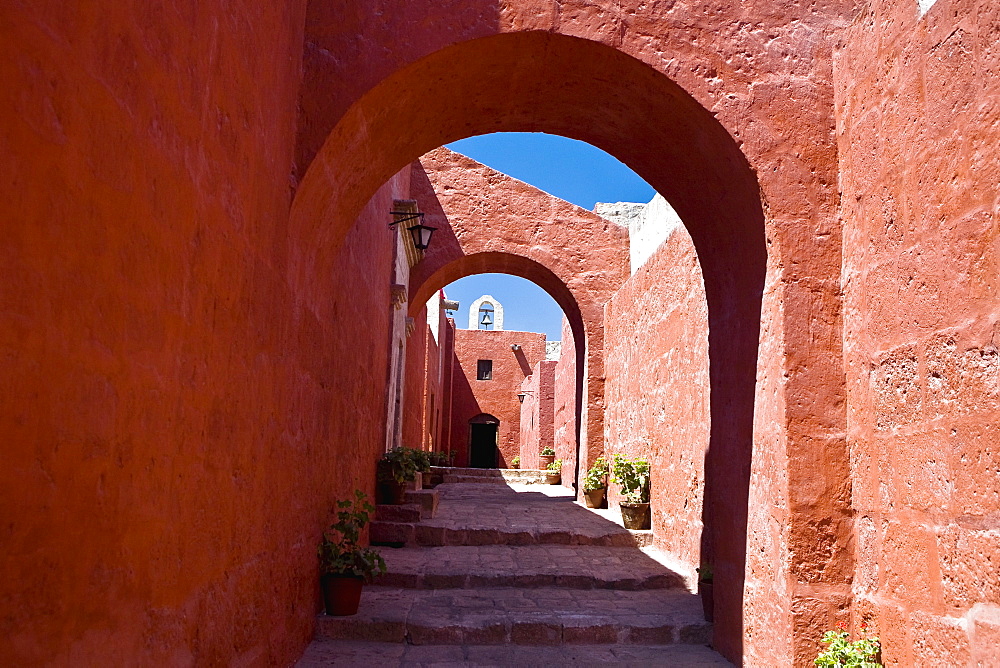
325,652
399,534
426,499
392,534
499,476
532,566
408,512
432,535
544,616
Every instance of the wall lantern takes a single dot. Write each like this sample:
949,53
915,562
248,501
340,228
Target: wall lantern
420,233
521,395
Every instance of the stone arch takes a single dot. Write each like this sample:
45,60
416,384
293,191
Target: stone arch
615,94
507,226
687,156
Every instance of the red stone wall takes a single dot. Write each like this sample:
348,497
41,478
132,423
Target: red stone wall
427,396
537,414
658,390
565,401
497,397
919,131
172,411
415,380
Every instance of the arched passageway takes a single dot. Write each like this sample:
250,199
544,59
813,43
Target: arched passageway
584,90
498,224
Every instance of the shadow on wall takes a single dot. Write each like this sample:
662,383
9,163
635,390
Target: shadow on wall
523,362
463,406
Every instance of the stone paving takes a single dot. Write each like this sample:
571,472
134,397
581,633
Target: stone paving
555,584
512,514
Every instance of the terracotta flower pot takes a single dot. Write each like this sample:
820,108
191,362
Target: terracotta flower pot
635,515
707,599
390,493
552,478
545,460
341,593
594,498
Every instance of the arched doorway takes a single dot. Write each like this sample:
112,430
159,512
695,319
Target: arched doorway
483,430
617,97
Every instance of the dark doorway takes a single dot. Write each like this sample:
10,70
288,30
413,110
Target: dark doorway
483,445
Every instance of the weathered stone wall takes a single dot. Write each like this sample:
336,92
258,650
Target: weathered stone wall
657,390
537,413
648,225
919,131
497,397
565,400
171,409
429,359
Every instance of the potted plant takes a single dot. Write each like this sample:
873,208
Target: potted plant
595,483
633,476
706,590
516,462
392,472
439,459
422,464
344,565
553,472
545,457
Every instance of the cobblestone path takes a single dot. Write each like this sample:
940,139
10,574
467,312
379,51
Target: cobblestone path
518,575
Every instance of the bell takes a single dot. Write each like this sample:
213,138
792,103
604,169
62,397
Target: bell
487,320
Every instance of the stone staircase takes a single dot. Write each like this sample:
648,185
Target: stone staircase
496,476
501,575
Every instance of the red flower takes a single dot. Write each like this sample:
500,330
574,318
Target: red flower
842,626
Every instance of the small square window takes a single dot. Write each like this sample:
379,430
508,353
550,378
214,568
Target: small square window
484,370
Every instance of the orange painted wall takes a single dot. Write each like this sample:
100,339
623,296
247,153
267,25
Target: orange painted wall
537,415
429,362
170,409
565,400
497,397
656,345
919,131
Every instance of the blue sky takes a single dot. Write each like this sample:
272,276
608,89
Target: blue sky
571,170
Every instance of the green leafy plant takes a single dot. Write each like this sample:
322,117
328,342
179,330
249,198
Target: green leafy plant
595,478
705,573
555,467
865,652
547,450
421,459
397,464
633,476
339,551
516,461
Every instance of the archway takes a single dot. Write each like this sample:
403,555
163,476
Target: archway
524,267
536,82
540,80
511,227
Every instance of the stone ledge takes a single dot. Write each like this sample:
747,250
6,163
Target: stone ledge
489,616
